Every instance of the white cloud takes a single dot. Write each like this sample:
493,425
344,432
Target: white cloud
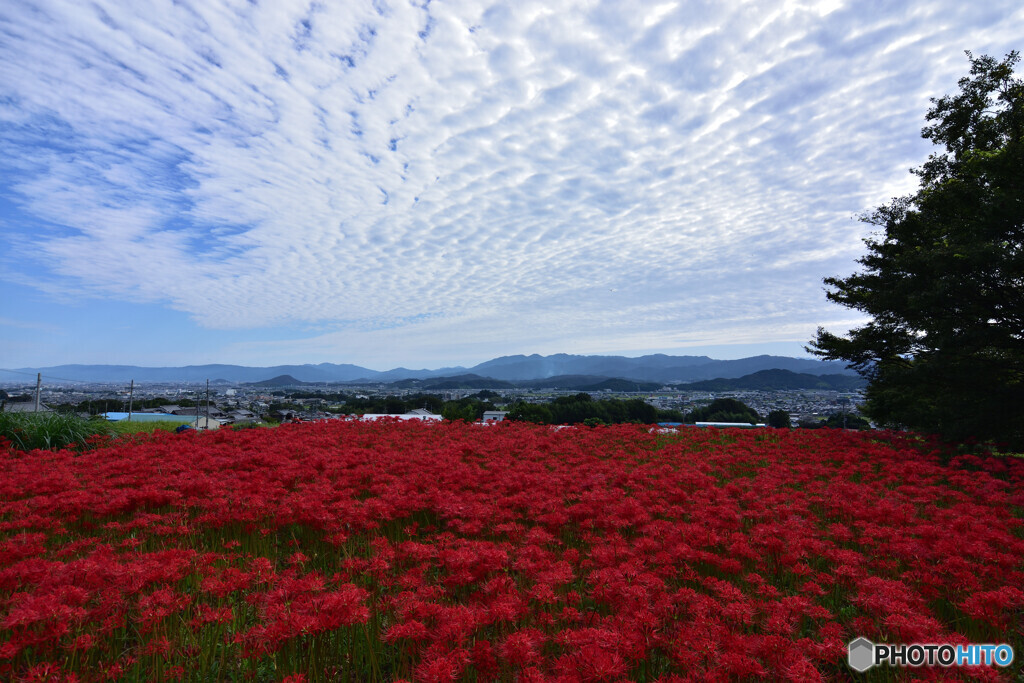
501,168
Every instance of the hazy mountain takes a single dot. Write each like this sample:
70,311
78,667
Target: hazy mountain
279,381
775,380
469,381
590,383
765,380
405,373
324,372
747,366
539,367
653,368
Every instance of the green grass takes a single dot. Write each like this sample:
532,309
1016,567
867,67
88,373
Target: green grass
29,431
149,426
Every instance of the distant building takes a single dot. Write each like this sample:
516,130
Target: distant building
242,417
214,411
494,415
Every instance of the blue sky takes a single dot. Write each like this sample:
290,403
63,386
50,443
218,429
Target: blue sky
432,183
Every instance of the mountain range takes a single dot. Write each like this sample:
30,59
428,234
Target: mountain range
781,380
658,368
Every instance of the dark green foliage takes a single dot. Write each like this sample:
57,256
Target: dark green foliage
779,418
487,394
387,404
530,412
944,283
469,409
724,410
810,422
847,421
581,407
394,405
670,416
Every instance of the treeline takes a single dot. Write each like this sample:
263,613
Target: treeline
732,410
724,410
470,408
582,408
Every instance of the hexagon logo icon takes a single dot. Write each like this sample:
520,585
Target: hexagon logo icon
861,655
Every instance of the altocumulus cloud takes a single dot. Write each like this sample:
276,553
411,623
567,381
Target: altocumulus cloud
524,174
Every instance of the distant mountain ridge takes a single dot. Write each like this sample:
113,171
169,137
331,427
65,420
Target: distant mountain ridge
781,380
279,381
659,368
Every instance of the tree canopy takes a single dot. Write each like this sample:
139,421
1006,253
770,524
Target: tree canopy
581,408
943,282
724,410
779,418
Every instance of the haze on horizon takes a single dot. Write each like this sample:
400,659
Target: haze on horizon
423,184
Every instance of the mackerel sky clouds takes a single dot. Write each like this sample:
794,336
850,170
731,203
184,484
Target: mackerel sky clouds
427,183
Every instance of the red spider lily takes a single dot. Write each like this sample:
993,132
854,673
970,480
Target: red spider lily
372,551
522,647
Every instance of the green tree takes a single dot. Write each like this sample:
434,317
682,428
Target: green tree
810,422
530,412
393,405
429,401
943,284
487,394
724,410
779,418
847,421
459,410
639,410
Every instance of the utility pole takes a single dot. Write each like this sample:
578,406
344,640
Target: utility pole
131,397
39,386
207,403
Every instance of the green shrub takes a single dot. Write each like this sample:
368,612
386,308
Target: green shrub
28,431
252,425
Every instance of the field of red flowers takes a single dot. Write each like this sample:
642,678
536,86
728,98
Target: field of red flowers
376,551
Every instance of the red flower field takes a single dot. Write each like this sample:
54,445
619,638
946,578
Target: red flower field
439,552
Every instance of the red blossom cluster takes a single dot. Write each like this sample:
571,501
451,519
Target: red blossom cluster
439,552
